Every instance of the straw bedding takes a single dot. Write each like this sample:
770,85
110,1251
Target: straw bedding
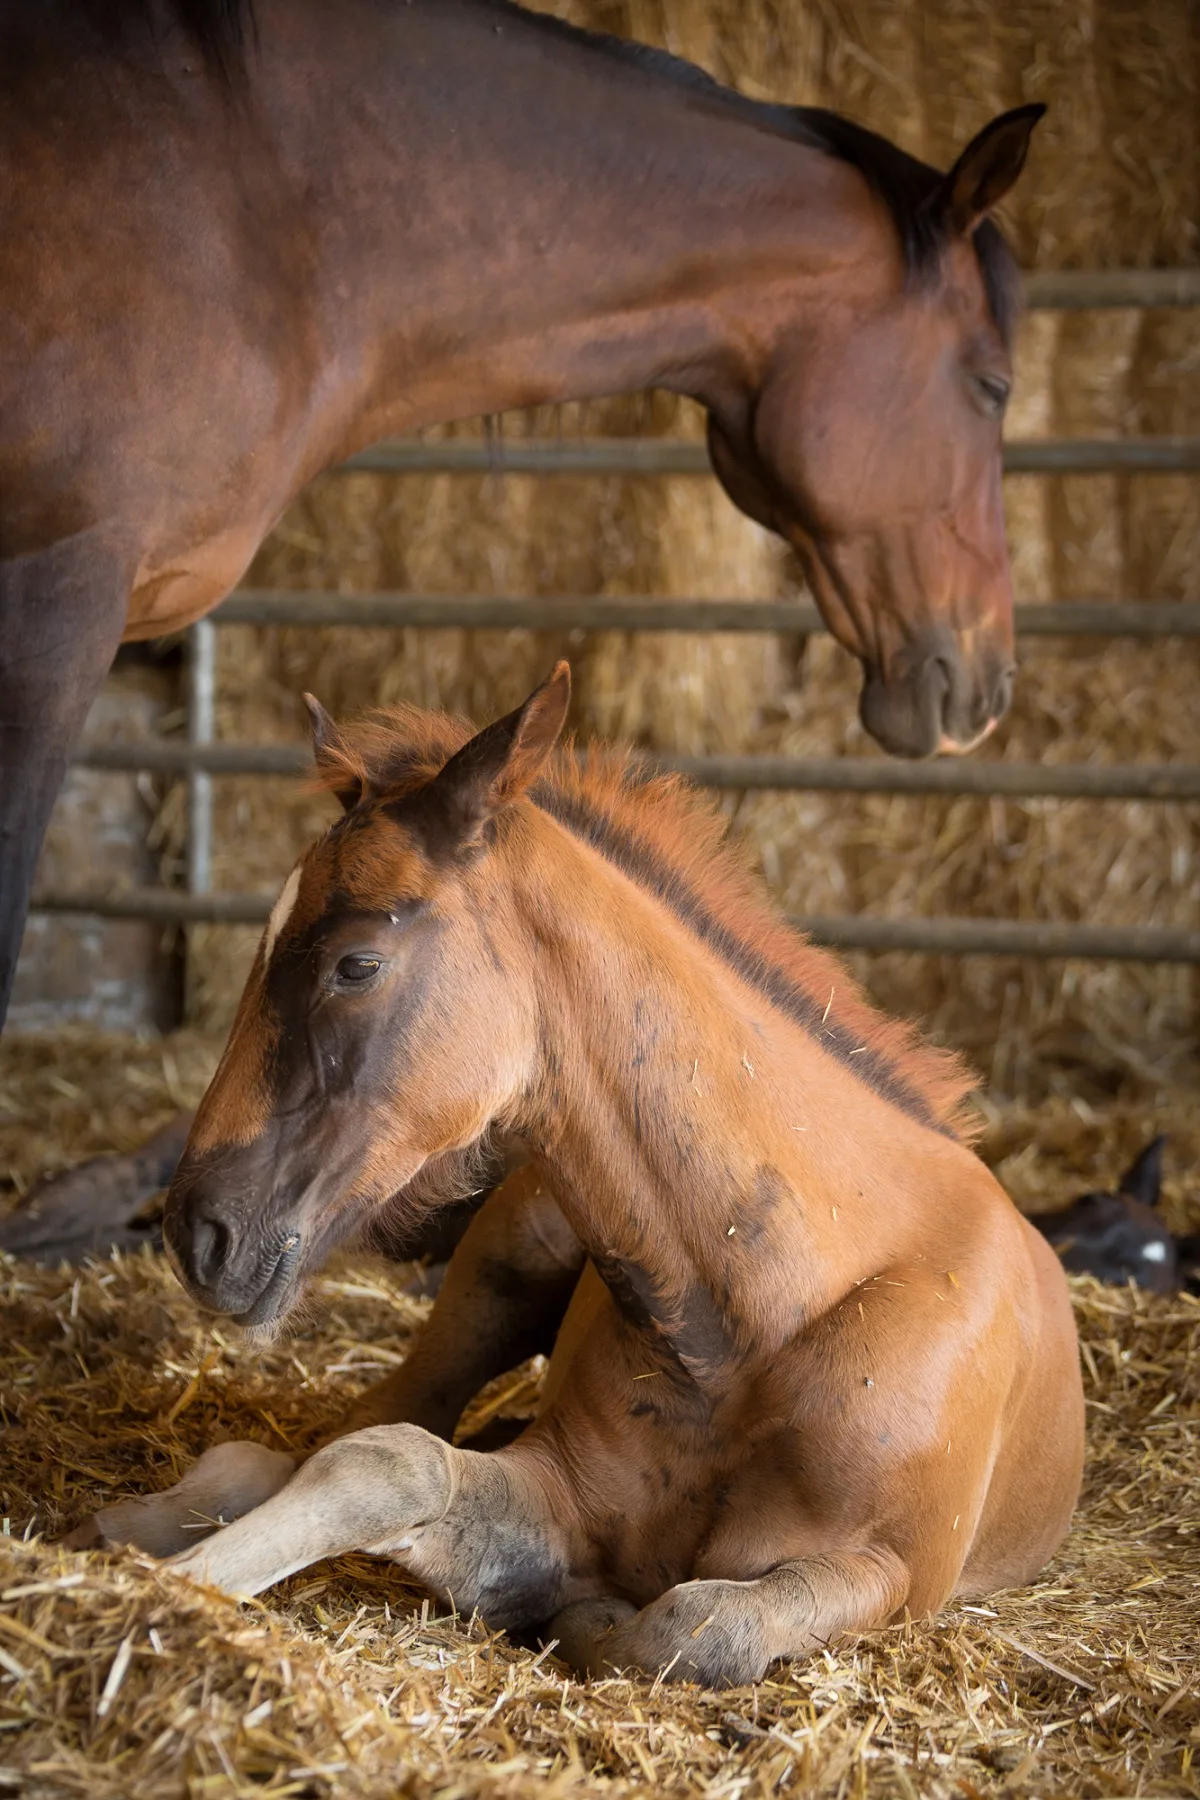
117,1681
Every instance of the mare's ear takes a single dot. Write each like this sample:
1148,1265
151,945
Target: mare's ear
492,769
985,171
1142,1180
329,755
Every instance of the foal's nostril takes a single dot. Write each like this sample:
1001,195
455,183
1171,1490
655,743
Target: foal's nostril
210,1249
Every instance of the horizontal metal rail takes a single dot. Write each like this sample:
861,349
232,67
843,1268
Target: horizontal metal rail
950,777
1085,290
675,456
1009,937
290,606
955,937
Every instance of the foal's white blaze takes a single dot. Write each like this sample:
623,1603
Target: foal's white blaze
281,912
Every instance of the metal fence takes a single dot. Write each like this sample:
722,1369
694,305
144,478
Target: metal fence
199,760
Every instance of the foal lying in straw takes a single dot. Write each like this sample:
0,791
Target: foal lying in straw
814,1371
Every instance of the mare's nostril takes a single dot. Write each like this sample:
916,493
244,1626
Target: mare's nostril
210,1249
1002,698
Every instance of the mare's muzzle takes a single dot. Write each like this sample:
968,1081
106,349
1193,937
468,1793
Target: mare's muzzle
934,698
234,1255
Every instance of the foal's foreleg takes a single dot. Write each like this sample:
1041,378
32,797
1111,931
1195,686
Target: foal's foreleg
503,1299
485,1531
726,1633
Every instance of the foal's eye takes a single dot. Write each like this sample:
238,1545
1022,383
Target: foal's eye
994,391
354,969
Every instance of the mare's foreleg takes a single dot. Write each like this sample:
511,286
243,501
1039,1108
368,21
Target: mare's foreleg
503,1299
483,1530
62,612
727,1633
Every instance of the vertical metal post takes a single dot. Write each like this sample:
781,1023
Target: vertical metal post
201,691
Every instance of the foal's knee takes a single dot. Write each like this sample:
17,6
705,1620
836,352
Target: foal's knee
385,1482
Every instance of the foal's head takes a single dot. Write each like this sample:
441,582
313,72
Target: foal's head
389,1019
872,441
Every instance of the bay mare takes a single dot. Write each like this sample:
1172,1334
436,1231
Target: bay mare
245,244
815,1372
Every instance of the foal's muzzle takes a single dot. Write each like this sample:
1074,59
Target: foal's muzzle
247,1269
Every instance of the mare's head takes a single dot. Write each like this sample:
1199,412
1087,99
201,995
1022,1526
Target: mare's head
389,1019
1122,1237
872,443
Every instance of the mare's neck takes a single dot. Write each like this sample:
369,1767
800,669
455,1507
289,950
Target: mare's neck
513,216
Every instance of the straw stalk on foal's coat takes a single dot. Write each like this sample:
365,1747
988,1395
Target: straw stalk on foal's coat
815,1370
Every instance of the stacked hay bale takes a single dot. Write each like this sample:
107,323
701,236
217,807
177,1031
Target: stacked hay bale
1113,181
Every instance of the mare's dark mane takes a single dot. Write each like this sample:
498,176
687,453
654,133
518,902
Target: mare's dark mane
218,28
906,185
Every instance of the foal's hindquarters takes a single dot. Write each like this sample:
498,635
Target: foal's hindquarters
679,1504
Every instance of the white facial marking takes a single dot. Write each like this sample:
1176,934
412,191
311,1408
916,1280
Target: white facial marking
1155,1252
281,912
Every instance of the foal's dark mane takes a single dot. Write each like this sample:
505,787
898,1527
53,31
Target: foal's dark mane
906,185
672,840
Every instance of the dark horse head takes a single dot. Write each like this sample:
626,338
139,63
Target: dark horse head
873,444
1123,1237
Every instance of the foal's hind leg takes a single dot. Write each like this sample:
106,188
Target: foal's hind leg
485,1530
88,1208
503,1299
726,1633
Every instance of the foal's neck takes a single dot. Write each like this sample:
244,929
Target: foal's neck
696,1137
547,221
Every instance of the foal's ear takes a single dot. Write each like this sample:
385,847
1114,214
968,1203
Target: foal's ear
329,754
494,768
986,170
1142,1180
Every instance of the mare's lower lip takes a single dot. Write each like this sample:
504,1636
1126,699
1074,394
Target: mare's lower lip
948,746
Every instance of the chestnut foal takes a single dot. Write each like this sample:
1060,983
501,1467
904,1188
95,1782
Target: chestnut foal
815,1370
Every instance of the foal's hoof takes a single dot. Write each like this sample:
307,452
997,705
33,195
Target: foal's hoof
88,1536
227,1481
585,1629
